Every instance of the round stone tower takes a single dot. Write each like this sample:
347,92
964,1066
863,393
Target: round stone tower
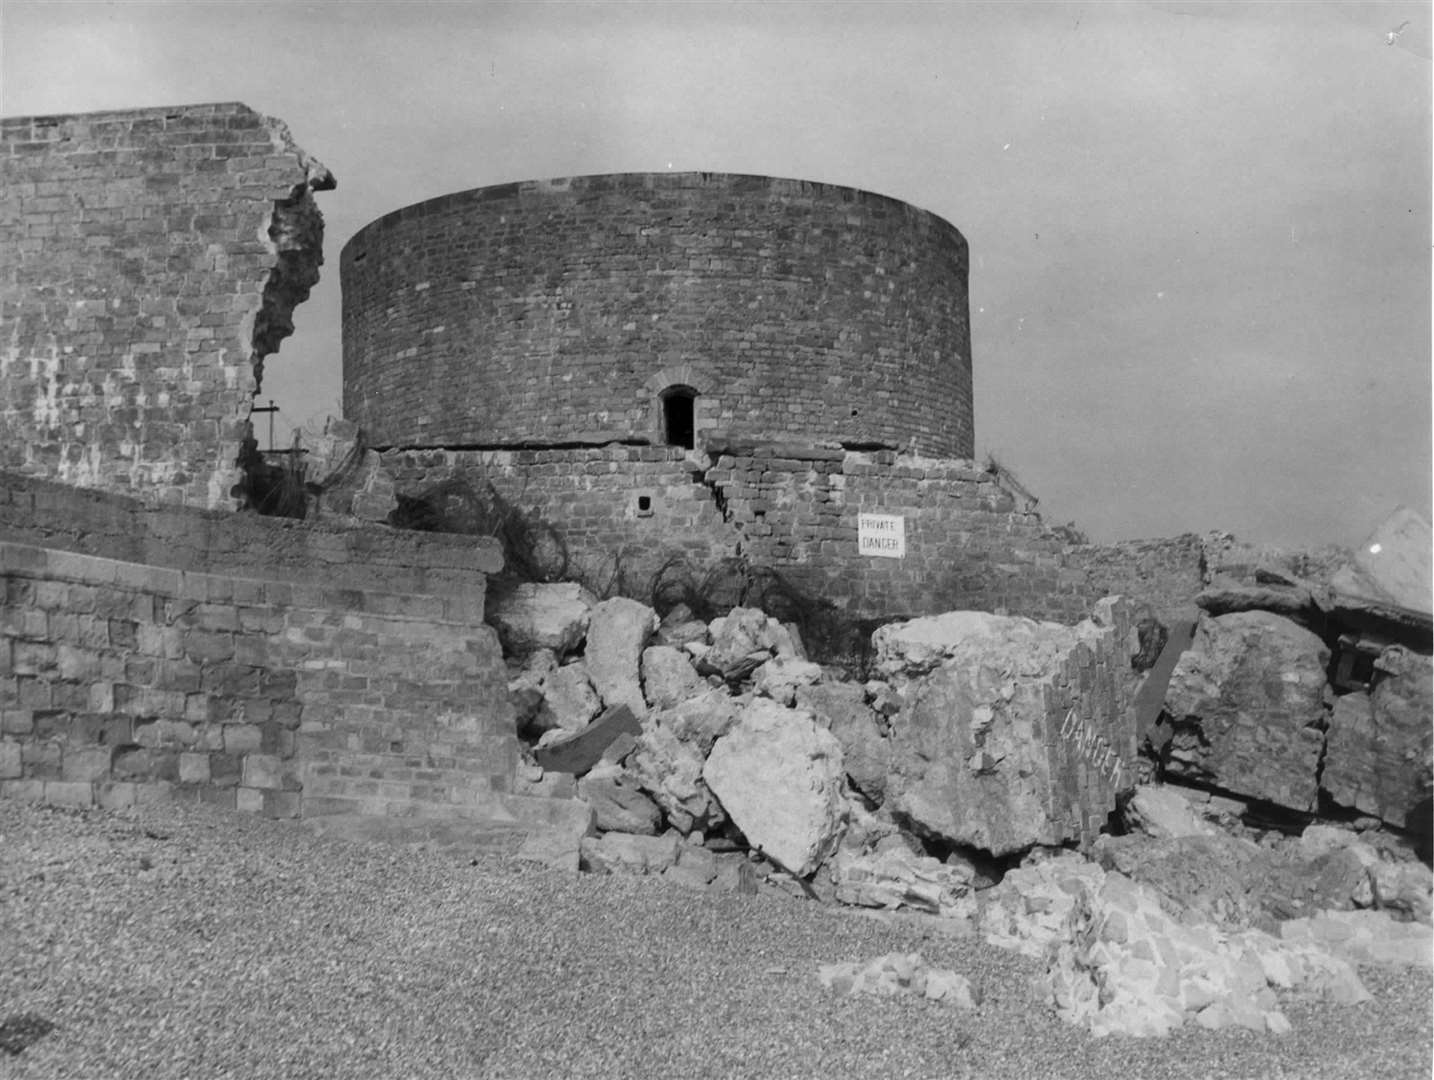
668,308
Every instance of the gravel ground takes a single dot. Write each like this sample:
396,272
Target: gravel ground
189,943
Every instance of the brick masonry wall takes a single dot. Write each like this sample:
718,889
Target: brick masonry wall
1165,573
588,504
333,553
149,260
121,682
552,312
971,543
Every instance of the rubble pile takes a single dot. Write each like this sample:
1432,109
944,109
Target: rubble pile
991,777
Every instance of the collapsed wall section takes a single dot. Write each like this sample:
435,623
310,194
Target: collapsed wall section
149,260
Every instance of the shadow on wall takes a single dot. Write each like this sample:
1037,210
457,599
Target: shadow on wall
534,551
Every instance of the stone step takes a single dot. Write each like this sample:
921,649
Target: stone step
548,831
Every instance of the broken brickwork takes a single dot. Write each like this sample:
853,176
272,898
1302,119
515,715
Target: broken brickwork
620,514
149,260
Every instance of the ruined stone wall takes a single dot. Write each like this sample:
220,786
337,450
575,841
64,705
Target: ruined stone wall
123,683
556,312
44,513
1165,573
149,260
610,516
622,513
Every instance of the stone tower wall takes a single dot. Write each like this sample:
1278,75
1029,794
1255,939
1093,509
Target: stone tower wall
550,313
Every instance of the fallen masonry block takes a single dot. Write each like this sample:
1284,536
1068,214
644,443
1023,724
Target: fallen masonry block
1011,732
584,750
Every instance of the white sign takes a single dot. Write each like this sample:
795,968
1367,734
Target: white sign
881,535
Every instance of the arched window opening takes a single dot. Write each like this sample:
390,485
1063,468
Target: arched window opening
679,416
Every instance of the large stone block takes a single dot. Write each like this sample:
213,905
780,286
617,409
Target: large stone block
541,616
1018,733
569,700
618,805
1246,707
843,709
618,630
668,677
1378,758
778,774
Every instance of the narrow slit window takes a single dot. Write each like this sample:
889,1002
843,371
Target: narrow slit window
678,416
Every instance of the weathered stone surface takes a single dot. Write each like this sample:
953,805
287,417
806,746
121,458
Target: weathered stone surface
1022,735
679,627
742,640
1246,708
1378,758
842,709
912,648
618,630
557,830
894,878
152,400
1129,968
778,776
618,805
1162,811
696,867
541,616
1365,937
700,721
897,973
1030,910
624,853
532,780
1403,887
668,677
781,677
1224,596
583,750
332,451
670,770
1233,881
569,700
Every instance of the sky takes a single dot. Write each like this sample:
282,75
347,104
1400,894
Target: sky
1200,232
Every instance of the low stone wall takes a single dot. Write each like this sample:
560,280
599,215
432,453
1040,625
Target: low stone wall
53,515
122,682
621,513
1166,574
